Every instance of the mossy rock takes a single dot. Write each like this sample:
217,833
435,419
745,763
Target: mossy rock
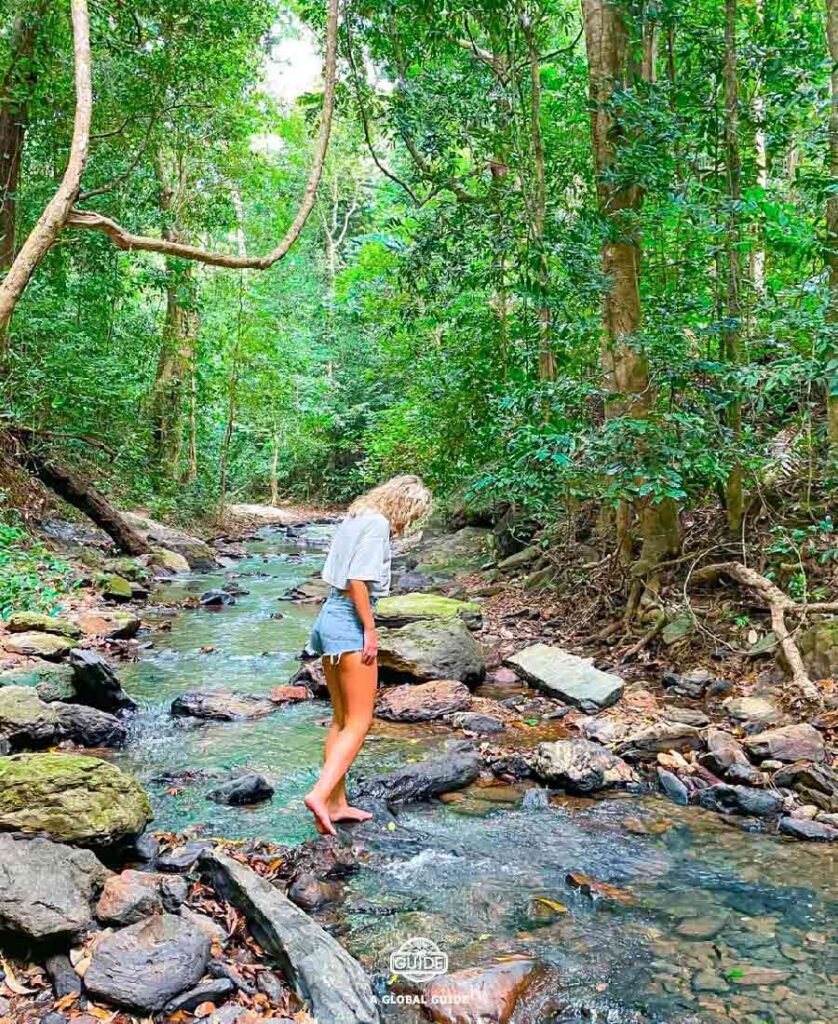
37,645
170,561
403,608
51,682
23,622
116,588
819,648
71,798
456,552
430,649
128,568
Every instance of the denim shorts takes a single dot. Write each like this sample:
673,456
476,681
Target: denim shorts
337,629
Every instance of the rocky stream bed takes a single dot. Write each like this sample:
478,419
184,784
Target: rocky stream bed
638,848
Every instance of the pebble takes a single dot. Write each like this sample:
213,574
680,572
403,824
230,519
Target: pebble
709,981
701,927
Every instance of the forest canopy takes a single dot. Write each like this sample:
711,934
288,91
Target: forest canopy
579,259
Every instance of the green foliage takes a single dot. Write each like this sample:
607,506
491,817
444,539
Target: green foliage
31,577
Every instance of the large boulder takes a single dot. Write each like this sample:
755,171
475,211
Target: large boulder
89,727
320,970
38,645
430,649
97,684
458,767
452,552
50,681
579,766
197,553
71,798
790,743
23,622
819,648
25,720
564,675
422,702
46,888
403,608
221,706
143,966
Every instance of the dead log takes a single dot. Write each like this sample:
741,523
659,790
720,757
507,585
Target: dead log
82,495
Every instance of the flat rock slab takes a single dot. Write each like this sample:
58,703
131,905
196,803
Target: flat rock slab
71,798
646,743
143,966
321,971
222,706
422,702
38,645
564,675
789,743
46,888
108,624
579,766
485,993
809,831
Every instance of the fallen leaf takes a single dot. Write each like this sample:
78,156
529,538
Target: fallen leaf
11,982
65,1001
205,1009
82,966
554,905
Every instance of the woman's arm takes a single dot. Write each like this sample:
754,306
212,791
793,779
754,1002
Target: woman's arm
357,590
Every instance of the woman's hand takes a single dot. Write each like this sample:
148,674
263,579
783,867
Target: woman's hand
370,651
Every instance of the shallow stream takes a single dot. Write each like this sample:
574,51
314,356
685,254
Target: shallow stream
706,923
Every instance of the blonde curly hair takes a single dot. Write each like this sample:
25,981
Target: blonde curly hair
403,500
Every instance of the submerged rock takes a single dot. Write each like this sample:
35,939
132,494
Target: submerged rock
97,684
23,622
221,705
486,993
250,788
404,608
320,970
143,966
430,649
725,799
38,645
422,702
71,798
579,766
217,599
564,675
46,888
788,743
811,831
478,722
457,768
673,787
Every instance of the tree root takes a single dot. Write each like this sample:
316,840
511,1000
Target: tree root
779,604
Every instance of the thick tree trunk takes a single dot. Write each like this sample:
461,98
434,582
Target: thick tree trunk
67,484
832,229
734,496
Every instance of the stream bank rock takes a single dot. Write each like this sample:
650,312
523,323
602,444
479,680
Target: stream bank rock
197,553
143,966
486,993
580,766
725,799
46,888
320,970
457,768
430,649
403,608
422,702
646,743
561,674
27,721
50,681
108,623
23,622
134,895
38,645
814,783
452,552
97,684
221,706
819,649
789,743
71,798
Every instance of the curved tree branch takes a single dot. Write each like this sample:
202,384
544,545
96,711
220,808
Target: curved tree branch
92,221
57,210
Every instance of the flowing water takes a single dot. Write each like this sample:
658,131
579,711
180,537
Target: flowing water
705,921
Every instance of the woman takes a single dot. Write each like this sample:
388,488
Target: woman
358,568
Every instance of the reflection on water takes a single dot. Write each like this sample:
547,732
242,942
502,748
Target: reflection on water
715,924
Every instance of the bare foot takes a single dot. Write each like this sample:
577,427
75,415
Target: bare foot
347,813
321,815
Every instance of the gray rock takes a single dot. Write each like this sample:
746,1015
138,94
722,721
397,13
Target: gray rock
217,599
430,649
250,788
673,787
579,766
321,971
89,726
25,720
197,553
811,831
37,645
725,799
458,767
561,674
520,558
686,716
215,991
723,752
815,783
646,743
800,742
97,684
221,706
143,966
752,710
61,973
24,622
46,888
422,702
473,721
182,858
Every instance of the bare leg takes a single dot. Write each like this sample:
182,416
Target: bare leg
337,798
358,684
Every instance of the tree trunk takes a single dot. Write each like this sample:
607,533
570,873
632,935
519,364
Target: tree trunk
761,154
67,484
832,231
274,466
734,496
